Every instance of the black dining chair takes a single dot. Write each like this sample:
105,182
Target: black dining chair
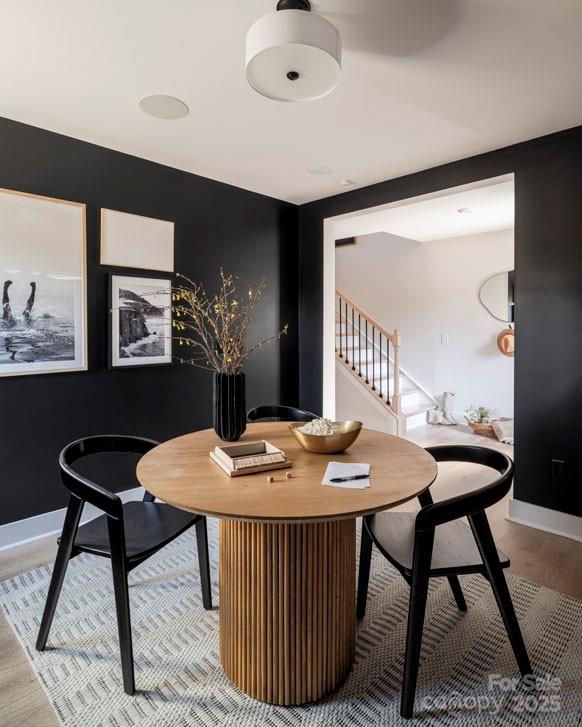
435,542
127,533
279,413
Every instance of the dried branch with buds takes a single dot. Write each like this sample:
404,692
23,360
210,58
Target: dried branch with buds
214,329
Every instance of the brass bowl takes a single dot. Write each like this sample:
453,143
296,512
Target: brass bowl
327,443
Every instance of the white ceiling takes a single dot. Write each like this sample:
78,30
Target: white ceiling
492,208
424,82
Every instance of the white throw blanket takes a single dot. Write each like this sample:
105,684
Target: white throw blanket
503,429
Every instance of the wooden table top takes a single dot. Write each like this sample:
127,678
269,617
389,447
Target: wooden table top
181,473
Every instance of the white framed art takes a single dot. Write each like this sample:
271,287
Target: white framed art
133,241
43,318
140,321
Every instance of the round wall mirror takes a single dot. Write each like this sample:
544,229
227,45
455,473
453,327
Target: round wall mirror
497,296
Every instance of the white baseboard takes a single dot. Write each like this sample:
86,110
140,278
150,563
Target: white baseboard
51,523
552,521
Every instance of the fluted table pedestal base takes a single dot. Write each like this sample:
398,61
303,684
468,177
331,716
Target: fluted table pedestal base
287,607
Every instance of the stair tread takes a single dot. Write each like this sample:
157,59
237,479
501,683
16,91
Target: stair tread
382,371
417,410
407,387
404,390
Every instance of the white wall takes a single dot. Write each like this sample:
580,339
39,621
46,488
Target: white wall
352,403
428,289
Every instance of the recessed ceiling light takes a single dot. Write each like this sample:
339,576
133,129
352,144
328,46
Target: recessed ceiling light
465,211
346,182
163,107
319,170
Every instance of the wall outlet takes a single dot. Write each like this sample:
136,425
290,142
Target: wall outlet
558,469
445,339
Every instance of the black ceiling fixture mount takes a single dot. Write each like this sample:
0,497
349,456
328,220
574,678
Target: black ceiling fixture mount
293,5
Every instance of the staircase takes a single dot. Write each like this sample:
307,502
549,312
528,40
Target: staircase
371,354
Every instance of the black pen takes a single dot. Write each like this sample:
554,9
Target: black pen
348,479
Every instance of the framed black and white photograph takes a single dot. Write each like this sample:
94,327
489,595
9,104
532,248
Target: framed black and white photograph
141,321
43,280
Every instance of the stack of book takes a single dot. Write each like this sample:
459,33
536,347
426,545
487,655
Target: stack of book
249,457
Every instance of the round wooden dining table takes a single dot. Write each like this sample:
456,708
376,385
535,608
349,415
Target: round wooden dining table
287,551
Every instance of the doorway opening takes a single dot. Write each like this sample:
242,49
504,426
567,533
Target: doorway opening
419,311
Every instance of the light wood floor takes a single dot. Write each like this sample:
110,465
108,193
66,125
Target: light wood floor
549,560
22,699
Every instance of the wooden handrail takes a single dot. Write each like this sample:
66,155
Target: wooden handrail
393,336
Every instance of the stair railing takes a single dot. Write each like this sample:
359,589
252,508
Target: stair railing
354,324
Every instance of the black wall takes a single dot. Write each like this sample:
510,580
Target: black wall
215,224
255,236
548,238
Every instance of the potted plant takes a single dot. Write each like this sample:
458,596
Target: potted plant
212,331
479,419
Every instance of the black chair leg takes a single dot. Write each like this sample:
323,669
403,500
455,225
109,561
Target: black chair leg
119,570
204,562
457,592
485,543
422,557
70,526
364,571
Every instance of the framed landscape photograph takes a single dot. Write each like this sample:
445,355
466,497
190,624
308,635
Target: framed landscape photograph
43,285
141,321
134,241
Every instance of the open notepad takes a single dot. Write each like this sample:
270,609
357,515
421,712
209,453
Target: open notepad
347,469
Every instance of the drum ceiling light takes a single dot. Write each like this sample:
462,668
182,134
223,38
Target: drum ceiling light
293,54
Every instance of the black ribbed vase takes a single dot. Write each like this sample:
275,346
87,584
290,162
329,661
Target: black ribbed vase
229,406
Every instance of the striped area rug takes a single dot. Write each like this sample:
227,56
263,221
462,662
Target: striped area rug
465,677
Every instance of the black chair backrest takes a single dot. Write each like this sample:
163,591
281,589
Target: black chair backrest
468,503
85,489
279,413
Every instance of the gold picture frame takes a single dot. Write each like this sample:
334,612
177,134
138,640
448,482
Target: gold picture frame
43,264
